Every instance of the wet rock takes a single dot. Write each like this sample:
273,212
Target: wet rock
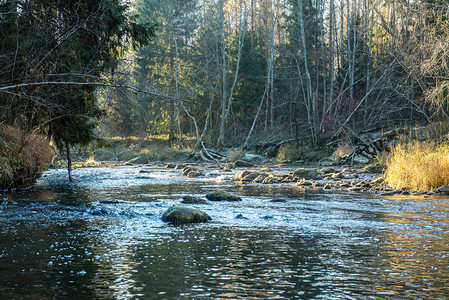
373,168
250,177
100,212
306,174
187,170
278,200
304,182
444,189
138,161
194,174
222,196
327,186
327,170
243,164
144,171
239,175
260,178
378,180
270,180
180,167
184,215
345,185
193,200
267,217
241,217
170,166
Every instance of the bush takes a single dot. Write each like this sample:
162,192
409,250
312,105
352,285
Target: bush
419,166
23,157
235,155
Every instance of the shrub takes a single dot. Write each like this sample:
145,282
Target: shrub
23,156
419,166
235,155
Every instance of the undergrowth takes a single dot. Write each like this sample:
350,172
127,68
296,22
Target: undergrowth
23,157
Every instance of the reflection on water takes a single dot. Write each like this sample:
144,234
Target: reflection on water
102,238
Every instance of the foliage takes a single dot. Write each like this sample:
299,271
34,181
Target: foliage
58,51
419,166
23,157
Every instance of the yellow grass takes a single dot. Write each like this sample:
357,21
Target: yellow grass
419,166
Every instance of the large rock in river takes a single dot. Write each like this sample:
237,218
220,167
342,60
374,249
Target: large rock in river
222,196
184,215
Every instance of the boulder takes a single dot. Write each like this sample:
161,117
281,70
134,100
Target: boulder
222,196
243,164
306,174
250,177
184,215
327,170
194,174
193,200
270,180
138,161
170,166
239,175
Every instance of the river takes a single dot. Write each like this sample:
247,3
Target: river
101,237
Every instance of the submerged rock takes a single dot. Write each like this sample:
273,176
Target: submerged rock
184,215
222,196
193,200
240,216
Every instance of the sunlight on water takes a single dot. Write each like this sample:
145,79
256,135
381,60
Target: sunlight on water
102,238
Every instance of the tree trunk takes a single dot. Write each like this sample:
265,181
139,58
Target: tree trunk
69,160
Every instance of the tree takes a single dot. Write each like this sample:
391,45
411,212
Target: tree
53,54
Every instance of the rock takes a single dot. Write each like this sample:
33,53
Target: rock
270,180
187,170
250,177
378,180
194,174
239,175
138,161
171,166
260,178
240,216
304,182
373,168
183,215
222,196
252,158
306,174
180,167
327,170
193,200
244,164
444,189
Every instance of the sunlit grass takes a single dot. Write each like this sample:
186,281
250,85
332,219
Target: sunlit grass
420,166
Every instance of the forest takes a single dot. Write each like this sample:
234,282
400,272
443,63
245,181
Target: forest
227,73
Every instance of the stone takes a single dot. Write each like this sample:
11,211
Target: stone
270,180
171,166
240,216
184,215
243,164
222,196
444,189
138,161
327,170
180,167
194,174
250,177
193,200
260,178
239,175
306,174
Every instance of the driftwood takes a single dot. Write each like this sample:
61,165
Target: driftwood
211,155
367,148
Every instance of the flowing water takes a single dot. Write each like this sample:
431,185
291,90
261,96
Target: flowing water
101,237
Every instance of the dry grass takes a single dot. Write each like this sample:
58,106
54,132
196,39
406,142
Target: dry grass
235,154
23,156
420,166
343,148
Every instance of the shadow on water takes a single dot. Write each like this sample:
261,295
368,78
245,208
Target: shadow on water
101,237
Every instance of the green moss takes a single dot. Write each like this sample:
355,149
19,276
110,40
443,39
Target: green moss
222,196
